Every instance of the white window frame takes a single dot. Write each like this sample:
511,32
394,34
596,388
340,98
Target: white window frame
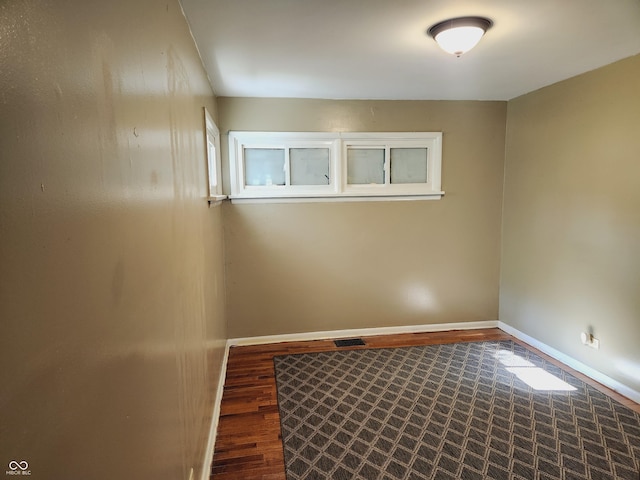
338,145
238,141
214,164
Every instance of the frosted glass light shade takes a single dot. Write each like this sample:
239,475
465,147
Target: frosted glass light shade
459,35
459,40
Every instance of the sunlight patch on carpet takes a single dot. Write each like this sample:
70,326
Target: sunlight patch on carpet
535,377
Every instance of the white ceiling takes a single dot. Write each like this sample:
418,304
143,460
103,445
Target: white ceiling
378,49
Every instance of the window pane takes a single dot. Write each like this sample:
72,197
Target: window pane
211,156
365,166
408,165
264,166
309,166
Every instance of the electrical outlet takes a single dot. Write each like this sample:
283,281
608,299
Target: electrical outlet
589,340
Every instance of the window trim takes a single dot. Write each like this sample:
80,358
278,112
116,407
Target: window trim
338,144
238,141
214,163
431,140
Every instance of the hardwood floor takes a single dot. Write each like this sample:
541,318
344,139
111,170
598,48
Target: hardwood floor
249,445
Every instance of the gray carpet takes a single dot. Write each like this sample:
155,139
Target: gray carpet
445,412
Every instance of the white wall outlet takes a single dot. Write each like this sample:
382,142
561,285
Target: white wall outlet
589,340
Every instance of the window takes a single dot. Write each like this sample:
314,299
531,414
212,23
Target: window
334,166
365,166
310,166
212,137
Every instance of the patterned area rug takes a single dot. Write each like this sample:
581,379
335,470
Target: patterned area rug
466,410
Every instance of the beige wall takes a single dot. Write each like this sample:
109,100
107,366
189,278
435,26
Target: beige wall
111,271
326,266
571,244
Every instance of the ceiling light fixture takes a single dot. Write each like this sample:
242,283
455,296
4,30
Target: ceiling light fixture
459,35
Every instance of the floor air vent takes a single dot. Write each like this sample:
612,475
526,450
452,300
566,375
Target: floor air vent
349,342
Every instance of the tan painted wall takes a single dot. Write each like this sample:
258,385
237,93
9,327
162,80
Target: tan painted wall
571,244
111,271
326,266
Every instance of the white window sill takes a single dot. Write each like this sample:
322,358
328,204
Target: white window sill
216,199
334,198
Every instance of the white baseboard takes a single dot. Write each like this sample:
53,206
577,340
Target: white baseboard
361,332
215,417
573,363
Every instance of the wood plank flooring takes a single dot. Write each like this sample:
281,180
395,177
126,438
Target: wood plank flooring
249,443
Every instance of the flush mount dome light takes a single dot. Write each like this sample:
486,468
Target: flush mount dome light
459,35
